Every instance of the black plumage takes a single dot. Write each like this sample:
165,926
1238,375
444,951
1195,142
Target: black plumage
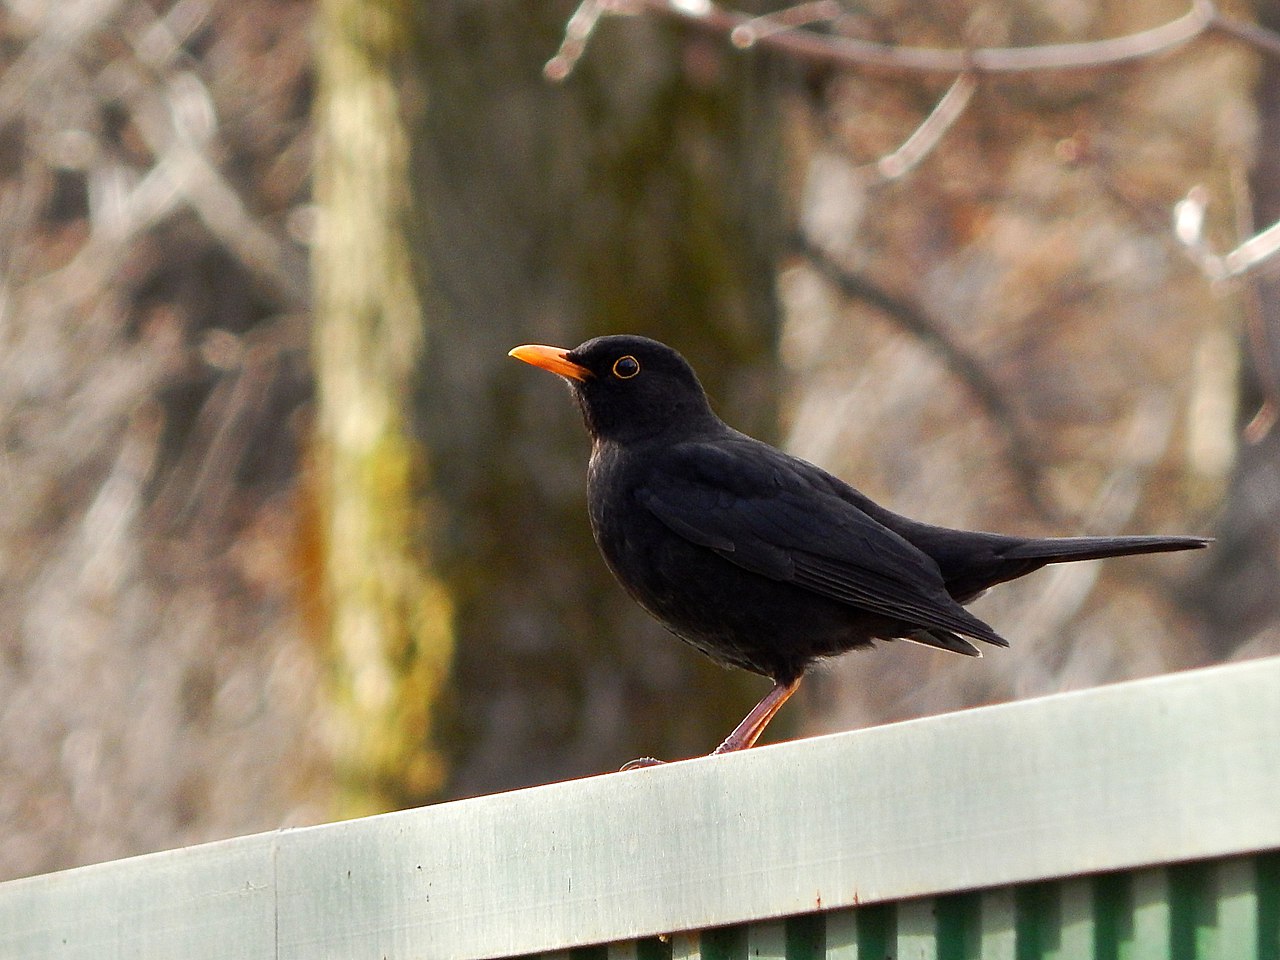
762,560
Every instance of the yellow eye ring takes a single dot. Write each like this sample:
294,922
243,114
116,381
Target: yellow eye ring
624,368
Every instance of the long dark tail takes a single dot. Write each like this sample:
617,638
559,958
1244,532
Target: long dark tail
990,558
1060,549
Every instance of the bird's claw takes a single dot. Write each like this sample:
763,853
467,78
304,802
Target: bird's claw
643,762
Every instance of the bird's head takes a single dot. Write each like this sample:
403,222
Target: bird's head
628,387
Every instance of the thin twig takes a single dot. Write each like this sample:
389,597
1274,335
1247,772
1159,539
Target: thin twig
926,136
576,34
792,18
1188,223
1255,35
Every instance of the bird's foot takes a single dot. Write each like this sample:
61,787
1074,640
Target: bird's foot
643,762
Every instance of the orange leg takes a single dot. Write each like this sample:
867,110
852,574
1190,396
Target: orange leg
748,731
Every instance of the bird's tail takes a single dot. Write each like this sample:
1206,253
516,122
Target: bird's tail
1061,549
988,559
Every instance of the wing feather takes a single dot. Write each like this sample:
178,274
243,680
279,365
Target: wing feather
757,508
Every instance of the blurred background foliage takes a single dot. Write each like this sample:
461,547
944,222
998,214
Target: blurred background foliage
285,536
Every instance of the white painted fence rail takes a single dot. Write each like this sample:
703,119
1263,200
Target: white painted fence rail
1176,768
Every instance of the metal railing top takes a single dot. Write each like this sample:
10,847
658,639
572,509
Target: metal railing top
1174,768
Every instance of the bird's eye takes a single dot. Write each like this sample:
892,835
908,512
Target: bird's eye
624,368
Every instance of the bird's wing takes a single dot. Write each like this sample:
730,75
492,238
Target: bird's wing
760,509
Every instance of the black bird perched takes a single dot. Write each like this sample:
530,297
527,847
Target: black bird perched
762,560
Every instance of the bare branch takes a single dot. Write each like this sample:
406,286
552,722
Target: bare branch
854,52
818,11
1188,223
926,136
576,34
1256,36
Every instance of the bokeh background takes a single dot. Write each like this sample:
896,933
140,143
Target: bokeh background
285,536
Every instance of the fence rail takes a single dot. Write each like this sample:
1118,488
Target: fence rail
1145,813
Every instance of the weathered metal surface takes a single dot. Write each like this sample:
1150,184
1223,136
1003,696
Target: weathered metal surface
212,902
1181,767
1178,768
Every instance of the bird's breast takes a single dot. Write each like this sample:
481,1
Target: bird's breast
638,548
615,514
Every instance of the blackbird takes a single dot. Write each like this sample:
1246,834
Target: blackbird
759,559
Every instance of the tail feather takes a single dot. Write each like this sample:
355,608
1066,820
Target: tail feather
946,640
971,571
1061,549
968,571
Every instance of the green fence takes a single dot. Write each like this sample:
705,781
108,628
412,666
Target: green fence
1229,908
1135,821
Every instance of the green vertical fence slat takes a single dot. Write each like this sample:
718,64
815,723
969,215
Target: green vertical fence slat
649,948
959,926
864,933
686,946
1192,916
806,937
1149,928
1112,914
840,935
724,943
917,937
877,928
1076,908
998,913
1267,883
1237,893
1036,921
767,941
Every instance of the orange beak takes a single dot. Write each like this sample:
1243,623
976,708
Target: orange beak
550,358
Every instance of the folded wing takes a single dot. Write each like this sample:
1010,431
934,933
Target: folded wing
763,514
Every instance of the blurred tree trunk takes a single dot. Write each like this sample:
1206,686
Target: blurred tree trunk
469,206
637,196
386,615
